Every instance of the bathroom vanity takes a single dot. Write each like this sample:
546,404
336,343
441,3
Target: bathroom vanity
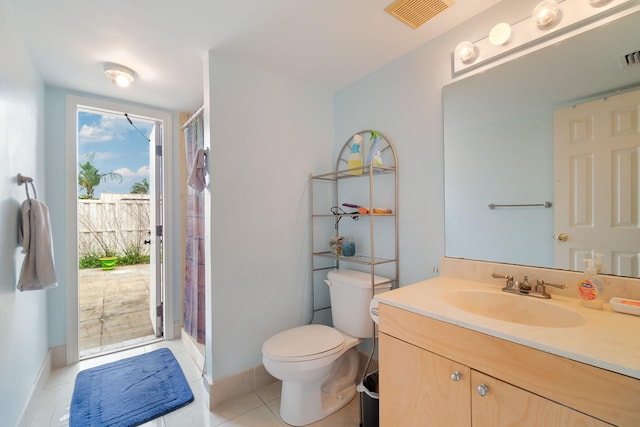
443,362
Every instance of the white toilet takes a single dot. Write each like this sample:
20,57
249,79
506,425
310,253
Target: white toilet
317,364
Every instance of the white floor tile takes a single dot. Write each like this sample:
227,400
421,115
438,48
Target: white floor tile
270,392
259,417
261,408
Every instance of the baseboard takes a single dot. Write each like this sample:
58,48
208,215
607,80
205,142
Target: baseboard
254,379
29,410
236,385
195,349
58,357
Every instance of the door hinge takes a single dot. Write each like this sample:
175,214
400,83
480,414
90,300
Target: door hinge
159,150
159,310
158,231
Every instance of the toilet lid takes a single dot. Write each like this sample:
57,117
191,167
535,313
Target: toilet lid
304,343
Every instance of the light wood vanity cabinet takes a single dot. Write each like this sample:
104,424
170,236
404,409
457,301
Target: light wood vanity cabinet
418,387
420,359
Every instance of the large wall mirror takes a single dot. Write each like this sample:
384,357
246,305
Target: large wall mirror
499,149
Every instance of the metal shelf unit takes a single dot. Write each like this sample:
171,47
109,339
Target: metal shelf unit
365,180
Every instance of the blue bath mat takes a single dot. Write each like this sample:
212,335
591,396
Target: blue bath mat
129,392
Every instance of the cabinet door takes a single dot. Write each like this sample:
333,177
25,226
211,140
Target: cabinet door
505,405
419,388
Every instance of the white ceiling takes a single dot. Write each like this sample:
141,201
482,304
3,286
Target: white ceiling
329,43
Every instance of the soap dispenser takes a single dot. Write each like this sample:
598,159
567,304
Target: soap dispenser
590,287
355,159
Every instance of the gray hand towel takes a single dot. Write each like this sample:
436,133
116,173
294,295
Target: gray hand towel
38,267
197,179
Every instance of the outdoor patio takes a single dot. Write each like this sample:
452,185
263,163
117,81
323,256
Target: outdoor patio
114,308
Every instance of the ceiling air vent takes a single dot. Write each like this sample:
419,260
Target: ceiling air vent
416,12
629,59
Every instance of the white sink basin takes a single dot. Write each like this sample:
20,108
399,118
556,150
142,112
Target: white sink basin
514,308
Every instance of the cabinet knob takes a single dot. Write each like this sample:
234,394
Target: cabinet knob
456,376
483,389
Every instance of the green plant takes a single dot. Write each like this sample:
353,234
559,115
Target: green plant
89,261
140,187
89,177
132,255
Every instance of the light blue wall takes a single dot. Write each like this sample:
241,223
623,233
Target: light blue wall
404,101
267,134
23,316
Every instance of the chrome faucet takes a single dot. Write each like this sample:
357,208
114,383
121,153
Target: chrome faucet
524,287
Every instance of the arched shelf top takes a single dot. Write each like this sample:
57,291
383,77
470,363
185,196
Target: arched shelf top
371,140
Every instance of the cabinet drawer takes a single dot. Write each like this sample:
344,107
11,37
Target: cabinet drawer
506,405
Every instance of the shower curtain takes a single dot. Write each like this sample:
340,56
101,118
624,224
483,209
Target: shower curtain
194,298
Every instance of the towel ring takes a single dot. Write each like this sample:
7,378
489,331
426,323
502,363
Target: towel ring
26,180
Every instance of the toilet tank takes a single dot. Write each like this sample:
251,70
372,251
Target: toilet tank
351,293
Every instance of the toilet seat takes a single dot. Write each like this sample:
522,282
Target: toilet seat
303,343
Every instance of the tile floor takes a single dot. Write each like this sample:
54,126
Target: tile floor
260,409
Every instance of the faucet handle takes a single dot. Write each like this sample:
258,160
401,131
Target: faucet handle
540,285
508,277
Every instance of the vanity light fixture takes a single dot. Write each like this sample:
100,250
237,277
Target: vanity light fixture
467,52
500,34
546,13
119,74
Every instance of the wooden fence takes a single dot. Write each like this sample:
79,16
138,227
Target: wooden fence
114,224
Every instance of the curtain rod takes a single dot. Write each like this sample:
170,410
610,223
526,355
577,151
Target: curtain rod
192,118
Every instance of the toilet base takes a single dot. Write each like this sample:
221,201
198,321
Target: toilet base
305,403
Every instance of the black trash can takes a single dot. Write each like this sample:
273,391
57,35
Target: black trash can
369,400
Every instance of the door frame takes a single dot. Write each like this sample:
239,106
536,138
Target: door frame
71,225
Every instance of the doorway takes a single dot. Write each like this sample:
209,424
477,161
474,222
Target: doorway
597,173
119,299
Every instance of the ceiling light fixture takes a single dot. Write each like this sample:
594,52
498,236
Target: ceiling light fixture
551,21
467,52
119,74
546,13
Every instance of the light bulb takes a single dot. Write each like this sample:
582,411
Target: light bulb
466,52
122,80
119,74
545,13
500,34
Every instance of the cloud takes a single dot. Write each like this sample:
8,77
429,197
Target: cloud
128,173
107,128
102,131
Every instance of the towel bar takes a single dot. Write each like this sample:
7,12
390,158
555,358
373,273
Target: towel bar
545,204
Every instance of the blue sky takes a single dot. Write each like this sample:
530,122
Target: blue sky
118,147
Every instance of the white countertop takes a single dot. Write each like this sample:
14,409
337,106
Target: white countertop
608,339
